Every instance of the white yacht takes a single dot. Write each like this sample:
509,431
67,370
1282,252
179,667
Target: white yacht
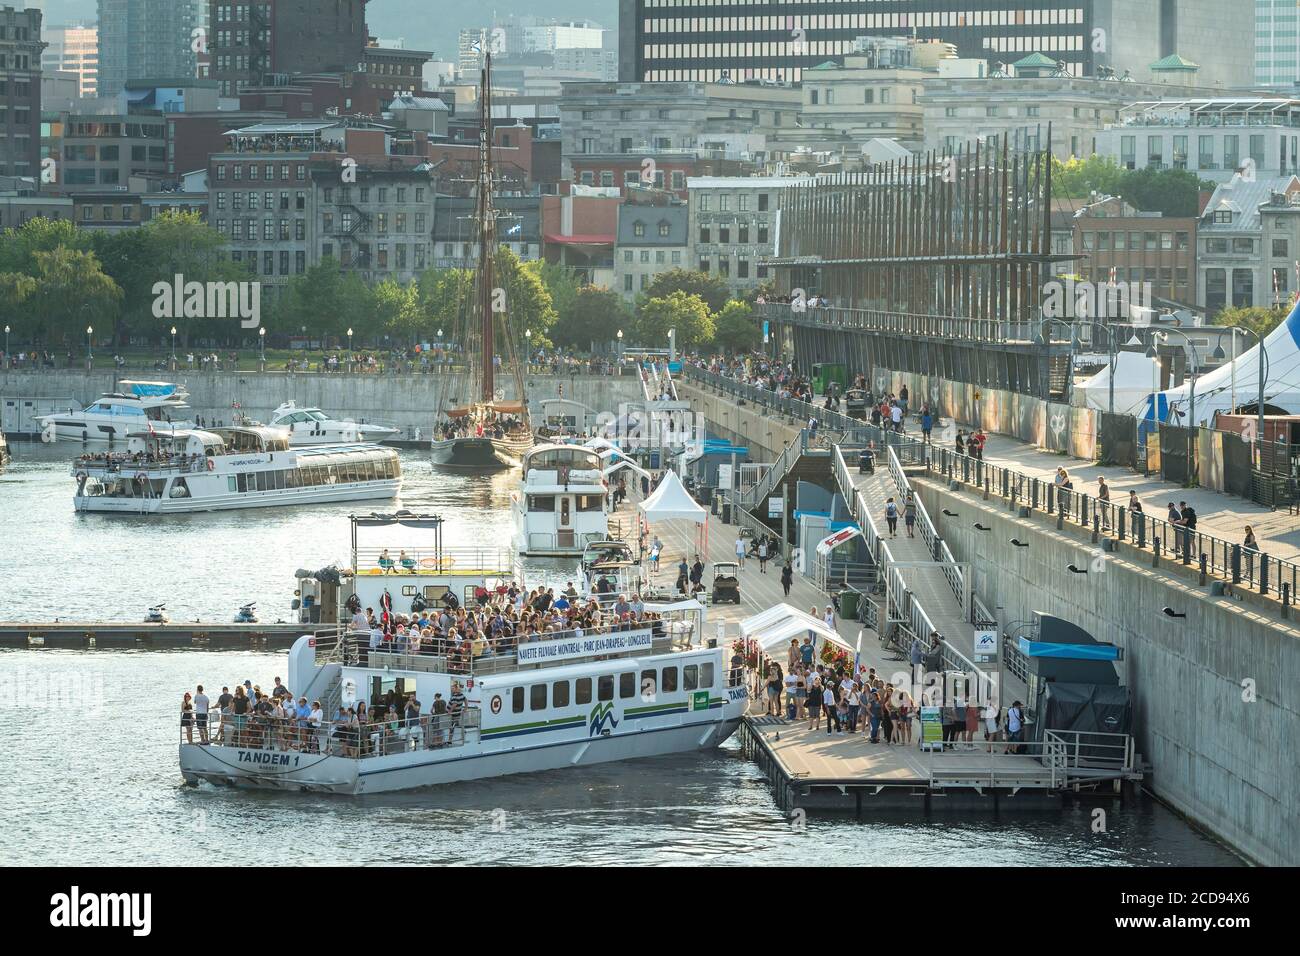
229,468
311,426
571,700
114,416
562,505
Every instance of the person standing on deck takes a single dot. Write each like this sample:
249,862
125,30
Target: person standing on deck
201,711
787,578
762,555
1103,502
740,552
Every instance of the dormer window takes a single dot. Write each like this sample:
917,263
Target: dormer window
1223,215
663,229
638,229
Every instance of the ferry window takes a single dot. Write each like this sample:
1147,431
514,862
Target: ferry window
263,481
517,700
589,503
368,471
582,691
243,482
279,480
706,675
537,697
231,484
627,685
669,682
690,677
605,688
649,684
292,477
541,502
560,693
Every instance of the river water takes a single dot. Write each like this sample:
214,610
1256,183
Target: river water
90,737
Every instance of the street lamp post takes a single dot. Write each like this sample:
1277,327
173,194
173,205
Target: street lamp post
6,343
349,344
90,351
173,348
261,338
620,345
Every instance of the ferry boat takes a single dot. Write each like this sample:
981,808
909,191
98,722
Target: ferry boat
571,700
228,468
562,505
114,416
311,426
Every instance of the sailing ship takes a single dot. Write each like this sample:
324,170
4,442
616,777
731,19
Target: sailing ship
488,433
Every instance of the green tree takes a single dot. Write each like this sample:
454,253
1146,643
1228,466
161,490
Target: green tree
1173,192
526,300
595,317
327,301
1255,318
1078,178
18,246
397,310
564,284
736,329
444,299
71,292
708,287
15,289
688,314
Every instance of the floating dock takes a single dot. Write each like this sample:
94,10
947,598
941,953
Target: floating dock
116,635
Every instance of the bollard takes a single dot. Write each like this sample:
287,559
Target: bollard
1033,491
1083,511
1286,598
1142,532
1096,527
1202,569
986,484
1060,520
1051,499
1123,513
1155,552
1236,564
1263,574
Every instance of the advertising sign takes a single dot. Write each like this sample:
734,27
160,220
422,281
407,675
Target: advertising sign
931,729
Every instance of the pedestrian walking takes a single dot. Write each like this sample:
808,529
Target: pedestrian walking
787,578
740,551
891,517
909,515
762,555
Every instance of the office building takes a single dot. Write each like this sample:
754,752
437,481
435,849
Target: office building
74,48
144,40
20,92
250,41
1277,44
776,41
733,226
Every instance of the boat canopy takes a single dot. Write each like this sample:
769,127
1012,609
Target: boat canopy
245,439
774,628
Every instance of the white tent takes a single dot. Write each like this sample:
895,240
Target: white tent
1214,389
773,629
1134,379
672,501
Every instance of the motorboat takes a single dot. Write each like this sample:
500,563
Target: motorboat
311,426
114,416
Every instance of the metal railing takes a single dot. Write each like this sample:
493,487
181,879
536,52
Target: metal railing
1206,552
454,560
796,408
997,331
1066,758
336,738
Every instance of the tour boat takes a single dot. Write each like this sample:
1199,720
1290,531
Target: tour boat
311,426
116,415
227,468
569,701
562,505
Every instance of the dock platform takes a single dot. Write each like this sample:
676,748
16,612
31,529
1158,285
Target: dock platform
117,635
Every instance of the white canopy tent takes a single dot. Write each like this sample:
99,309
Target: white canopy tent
1135,376
671,501
1214,389
773,629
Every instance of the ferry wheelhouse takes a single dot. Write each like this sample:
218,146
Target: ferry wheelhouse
229,468
571,700
417,575
115,416
562,504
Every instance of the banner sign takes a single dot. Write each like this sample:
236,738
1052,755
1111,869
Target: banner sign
986,646
724,477
775,507
567,648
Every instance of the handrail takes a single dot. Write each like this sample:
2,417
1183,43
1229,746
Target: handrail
1227,560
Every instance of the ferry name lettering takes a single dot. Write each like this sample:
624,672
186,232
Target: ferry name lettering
259,756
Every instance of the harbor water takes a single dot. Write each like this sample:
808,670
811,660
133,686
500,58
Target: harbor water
92,737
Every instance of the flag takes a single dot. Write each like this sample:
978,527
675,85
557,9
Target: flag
515,230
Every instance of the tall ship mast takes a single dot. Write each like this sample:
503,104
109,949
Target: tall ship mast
490,433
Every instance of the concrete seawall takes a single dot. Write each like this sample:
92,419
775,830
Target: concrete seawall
409,401
1215,712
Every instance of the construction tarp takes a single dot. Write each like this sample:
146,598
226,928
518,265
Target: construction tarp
774,628
671,501
1214,390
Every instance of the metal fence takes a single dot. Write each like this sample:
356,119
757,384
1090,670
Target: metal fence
1211,554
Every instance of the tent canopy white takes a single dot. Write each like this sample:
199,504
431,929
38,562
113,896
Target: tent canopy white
1134,379
671,501
773,629
1214,389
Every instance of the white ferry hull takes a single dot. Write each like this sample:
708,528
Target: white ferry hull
279,770
99,433
366,491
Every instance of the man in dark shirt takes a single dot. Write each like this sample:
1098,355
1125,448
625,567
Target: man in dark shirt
1187,515
455,708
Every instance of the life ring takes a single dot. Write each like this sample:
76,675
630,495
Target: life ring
496,704
82,476
211,464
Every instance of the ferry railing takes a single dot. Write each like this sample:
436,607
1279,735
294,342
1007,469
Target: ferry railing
338,738
1068,757
128,465
499,562
1230,561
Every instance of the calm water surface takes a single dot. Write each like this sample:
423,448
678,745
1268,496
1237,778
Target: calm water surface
106,789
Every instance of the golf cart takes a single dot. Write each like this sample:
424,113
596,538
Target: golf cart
726,582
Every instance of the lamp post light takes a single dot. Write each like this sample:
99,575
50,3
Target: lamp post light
349,342
620,345
173,347
90,352
6,341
